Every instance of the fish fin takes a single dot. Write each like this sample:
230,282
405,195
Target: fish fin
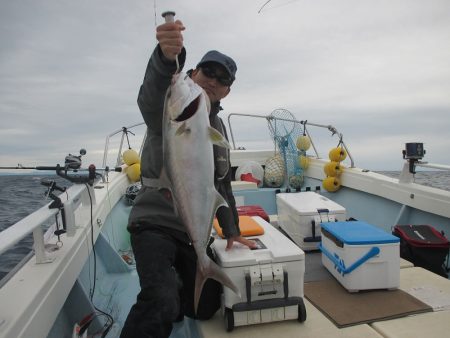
164,181
207,268
182,129
220,202
164,184
217,138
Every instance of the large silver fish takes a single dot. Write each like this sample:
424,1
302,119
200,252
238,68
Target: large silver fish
188,162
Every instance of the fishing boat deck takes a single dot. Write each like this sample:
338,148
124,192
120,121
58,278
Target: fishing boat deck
117,292
431,324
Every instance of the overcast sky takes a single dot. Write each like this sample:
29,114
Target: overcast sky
379,71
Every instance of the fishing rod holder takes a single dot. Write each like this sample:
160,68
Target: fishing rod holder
85,195
77,178
56,204
413,154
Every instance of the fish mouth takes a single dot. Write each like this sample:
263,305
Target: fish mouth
190,110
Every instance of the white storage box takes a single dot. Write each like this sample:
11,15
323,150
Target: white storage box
361,256
270,279
300,215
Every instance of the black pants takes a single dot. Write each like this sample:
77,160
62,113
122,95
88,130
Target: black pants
166,267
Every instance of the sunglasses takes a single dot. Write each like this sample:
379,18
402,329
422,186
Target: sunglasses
224,80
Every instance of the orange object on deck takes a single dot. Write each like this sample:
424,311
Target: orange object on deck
248,226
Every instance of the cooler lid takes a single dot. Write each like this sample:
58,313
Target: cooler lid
273,247
358,233
309,203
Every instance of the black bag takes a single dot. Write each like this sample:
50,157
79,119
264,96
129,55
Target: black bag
423,246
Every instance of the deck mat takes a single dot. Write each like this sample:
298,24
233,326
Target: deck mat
346,309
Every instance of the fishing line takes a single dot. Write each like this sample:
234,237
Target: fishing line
91,293
89,264
264,6
107,325
87,321
114,242
275,6
154,10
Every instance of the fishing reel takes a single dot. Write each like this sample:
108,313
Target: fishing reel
413,153
74,162
72,165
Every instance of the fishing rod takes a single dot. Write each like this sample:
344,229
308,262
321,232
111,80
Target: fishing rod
19,166
71,168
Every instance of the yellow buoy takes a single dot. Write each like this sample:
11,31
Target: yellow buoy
134,172
303,142
303,161
331,184
333,169
337,154
130,157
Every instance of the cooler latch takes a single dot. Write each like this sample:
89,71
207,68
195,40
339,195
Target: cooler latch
265,278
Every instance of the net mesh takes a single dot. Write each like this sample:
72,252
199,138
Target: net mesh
285,130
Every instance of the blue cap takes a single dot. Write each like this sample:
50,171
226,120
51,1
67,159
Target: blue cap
222,59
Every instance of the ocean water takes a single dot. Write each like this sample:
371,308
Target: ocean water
20,195
436,179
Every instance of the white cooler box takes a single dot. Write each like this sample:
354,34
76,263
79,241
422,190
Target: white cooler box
270,279
361,256
300,215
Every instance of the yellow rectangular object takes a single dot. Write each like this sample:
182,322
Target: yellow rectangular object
248,226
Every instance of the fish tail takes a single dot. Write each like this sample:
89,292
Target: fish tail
209,269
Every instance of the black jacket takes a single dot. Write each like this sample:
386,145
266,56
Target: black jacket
151,207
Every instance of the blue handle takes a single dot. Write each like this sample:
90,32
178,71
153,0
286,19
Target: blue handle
339,263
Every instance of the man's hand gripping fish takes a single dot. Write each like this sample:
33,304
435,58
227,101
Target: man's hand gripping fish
188,170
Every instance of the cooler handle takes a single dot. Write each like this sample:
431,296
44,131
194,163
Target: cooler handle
339,263
314,238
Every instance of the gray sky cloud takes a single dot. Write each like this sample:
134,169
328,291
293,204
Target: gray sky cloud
377,70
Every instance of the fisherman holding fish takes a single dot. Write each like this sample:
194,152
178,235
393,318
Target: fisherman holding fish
170,221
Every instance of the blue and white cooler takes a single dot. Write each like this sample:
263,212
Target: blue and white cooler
361,256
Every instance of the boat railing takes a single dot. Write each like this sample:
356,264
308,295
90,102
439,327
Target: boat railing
34,223
270,118
123,132
433,165
407,175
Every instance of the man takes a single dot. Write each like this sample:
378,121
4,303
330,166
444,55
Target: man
165,260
